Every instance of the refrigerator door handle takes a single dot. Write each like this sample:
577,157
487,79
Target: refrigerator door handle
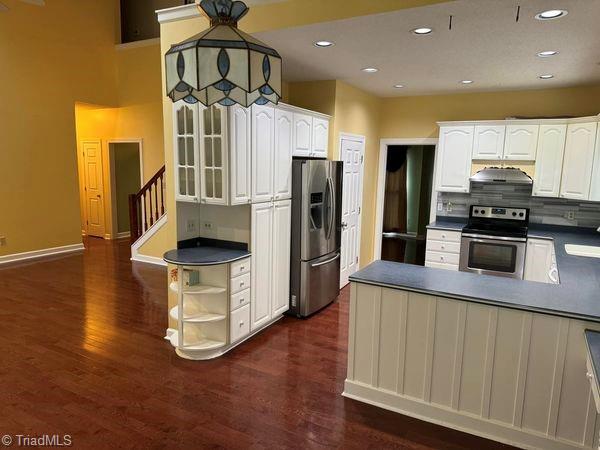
331,207
326,262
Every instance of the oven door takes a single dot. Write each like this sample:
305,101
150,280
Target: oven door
503,257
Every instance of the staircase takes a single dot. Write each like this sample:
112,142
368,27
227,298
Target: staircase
147,206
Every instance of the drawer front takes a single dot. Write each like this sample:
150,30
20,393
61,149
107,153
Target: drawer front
239,325
593,382
240,283
442,266
445,258
443,246
240,267
240,299
443,235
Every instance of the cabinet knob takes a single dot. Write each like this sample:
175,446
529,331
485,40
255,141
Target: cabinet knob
589,375
241,300
443,236
241,283
499,157
241,323
441,258
443,246
242,268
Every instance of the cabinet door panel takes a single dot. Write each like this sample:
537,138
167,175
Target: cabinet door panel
240,149
262,264
214,154
595,188
549,160
282,176
320,140
302,134
489,141
521,142
282,217
578,161
538,260
454,159
263,149
186,148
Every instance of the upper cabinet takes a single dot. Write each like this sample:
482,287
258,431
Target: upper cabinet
489,142
185,132
578,161
549,160
454,158
521,142
235,155
595,187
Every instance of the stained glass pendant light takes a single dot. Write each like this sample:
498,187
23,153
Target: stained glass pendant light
223,64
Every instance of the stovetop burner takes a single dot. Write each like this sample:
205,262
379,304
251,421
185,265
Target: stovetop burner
498,221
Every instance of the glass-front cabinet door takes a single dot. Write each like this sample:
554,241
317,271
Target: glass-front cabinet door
213,154
185,130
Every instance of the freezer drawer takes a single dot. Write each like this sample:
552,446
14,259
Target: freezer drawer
319,283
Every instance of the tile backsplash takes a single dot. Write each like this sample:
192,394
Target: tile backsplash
555,211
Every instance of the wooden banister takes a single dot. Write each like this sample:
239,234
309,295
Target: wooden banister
144,207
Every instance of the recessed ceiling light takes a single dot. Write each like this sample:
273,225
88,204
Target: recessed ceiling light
546,77
323,44
370,69
551,14
398,86
547,53
467,81
422,30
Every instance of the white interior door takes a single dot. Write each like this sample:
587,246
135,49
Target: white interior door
352,154
94,188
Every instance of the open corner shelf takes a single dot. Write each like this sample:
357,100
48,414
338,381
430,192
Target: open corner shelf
198,289
204,344
200,317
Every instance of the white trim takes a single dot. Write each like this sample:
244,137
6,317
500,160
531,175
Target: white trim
363,141
123,235
148,260
138,44
292,108
513,121
135,255
41,253
380,194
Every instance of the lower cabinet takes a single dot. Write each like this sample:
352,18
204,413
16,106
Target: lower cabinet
270,246
540,261
443,249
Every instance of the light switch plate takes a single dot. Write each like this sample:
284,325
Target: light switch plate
2,241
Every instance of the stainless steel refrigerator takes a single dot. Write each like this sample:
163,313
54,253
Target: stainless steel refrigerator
316,234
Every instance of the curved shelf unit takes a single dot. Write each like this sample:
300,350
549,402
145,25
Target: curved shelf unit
204,344
199,317
199,289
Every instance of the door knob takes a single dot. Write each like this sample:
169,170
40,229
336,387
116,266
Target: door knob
99,196
344,225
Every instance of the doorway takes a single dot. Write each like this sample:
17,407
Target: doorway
352,151
125,179
404,201
95,224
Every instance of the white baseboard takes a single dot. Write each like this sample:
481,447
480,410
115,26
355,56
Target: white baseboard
41,253
123,235
149,260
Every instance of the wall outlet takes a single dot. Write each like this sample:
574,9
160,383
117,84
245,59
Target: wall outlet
207,226
440,207
449,207
191,225
570,215
2,241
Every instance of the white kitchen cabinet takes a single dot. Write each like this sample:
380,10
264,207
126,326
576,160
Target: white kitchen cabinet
549,160
213,155
283,147
263,151
521,142
302,135
282,237
240,151
185,133
488,142
595,187
540,261
578,161
262,264
454,158
270,241
320,137
442,249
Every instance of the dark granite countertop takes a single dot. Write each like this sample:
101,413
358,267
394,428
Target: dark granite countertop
448,223
206,252
592,339
577,295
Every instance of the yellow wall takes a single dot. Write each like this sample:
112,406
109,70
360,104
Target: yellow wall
51,58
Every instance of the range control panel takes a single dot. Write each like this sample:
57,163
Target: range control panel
492,212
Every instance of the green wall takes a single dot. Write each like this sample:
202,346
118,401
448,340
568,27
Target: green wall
127,180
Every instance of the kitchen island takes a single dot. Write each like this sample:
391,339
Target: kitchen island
500,358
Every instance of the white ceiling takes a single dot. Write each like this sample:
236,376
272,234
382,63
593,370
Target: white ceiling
485,45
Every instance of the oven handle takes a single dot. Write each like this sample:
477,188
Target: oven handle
493,238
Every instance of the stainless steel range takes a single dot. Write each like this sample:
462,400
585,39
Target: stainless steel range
494,241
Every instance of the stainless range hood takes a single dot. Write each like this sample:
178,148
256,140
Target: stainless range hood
497,175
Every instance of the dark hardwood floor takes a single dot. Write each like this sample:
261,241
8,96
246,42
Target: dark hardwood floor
83,354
